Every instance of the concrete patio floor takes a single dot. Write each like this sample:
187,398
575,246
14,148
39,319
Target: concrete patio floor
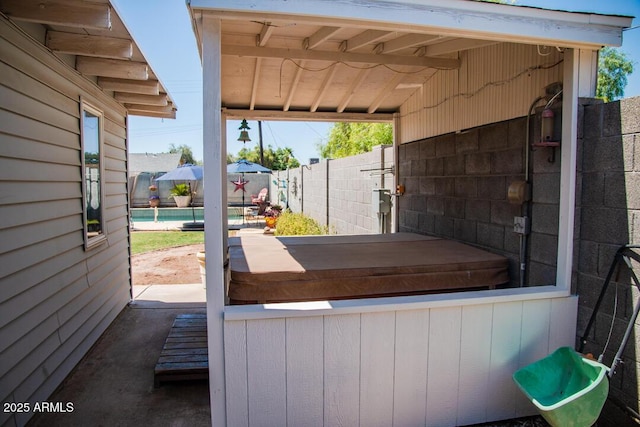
113,384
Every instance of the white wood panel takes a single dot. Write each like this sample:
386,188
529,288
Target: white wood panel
412,357
444,366
475,359
534,343
342,370
377,369
564,317
266,368
305,368
235,355
19,148
505,355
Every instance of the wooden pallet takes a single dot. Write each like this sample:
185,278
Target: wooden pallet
184,355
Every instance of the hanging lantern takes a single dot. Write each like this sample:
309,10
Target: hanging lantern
244,131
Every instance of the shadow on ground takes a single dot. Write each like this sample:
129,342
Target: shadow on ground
113,384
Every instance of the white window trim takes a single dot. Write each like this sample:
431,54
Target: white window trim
91,242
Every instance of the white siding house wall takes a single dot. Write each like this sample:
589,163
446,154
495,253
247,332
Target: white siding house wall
493,84
56,298
396,363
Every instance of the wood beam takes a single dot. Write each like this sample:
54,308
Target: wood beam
455,45
353,89
363,39
326,83
256,83
112,68
135,98
151,108
86,45
275,115
64,13
403,42
265,34
319,55
294,86
144,87
319,37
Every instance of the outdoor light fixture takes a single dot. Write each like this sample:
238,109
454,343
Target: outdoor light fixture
244,132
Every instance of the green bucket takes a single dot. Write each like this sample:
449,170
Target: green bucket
567,389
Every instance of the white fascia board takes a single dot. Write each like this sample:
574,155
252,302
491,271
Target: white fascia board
456,18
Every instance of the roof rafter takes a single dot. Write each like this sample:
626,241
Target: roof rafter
112,68
143,87
69,14
294,86
264,52
353,89
323,87
403,42
363,39
319,37
86,45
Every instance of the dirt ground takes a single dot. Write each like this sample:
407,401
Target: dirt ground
167,266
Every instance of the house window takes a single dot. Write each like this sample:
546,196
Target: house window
93,177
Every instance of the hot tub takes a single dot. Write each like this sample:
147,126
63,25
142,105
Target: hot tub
268,269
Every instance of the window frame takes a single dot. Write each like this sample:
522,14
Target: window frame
92,241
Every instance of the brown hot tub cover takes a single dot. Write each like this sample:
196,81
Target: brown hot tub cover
267,269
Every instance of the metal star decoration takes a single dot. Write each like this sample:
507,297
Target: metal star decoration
240,183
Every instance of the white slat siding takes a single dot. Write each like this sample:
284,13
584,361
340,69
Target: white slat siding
425,114
56,299
444,366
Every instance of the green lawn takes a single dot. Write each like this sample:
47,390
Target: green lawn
145,241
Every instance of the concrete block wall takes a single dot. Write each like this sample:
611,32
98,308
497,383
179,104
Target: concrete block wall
456,187
337,193
608,216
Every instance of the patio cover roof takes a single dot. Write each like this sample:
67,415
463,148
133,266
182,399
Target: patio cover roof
92,36
326,60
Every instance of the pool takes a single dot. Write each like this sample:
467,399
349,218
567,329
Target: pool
177,214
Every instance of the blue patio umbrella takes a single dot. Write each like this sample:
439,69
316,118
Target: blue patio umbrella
245,166
186,172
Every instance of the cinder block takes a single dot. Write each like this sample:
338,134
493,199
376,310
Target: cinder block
511,240
494,136
492,187
412,151
611,119
445,186
419,203
478,163
490,235
620,191
445,145
435,167
593,121
545,188
540,274
443,226
592,186
502,213
402,152
506,162
435,206
454,207
605,225
412,219
427,148
466,187
604,154
517,132
544,218
426,223
588,257
543,248
540,160
478,210
418,167
467,142
454,165
427,186
465,230
629,113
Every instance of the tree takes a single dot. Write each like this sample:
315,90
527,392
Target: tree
613,69
348,139
185,150
279,159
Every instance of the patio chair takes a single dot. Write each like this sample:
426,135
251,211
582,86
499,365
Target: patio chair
260,198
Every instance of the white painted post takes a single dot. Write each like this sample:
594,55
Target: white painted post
214,214
569,152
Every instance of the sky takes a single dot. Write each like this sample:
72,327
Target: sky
162,30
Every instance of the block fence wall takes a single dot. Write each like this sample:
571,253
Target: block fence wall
608,216
337,193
